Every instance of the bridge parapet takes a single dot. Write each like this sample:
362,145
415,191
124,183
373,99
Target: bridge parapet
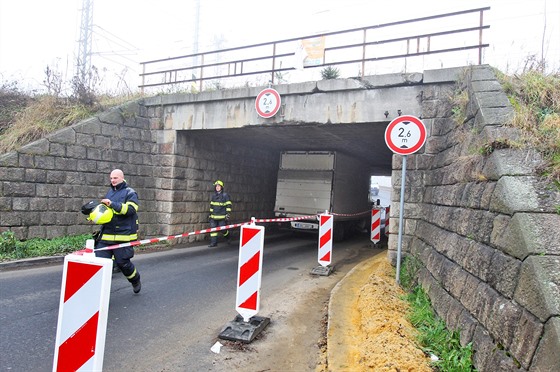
337,101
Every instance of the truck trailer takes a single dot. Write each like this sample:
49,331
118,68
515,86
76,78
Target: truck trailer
312,182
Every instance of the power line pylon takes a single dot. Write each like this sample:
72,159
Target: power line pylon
85,43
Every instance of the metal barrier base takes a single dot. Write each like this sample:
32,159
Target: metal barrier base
239,330
322,270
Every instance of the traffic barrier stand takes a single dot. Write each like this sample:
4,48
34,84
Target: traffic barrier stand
246,326
387,219
83,311
375,225
325,245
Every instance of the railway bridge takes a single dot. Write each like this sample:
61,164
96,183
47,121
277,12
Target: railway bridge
481,228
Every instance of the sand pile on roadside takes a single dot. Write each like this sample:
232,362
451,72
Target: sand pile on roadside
370,330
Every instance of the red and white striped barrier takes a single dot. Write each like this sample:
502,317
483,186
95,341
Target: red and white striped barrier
375,225
82,314
387,219
249,271
325,239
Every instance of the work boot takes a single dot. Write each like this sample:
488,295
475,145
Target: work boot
136,284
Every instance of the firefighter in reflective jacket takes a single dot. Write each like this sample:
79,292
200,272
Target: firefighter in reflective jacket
122,228
220,209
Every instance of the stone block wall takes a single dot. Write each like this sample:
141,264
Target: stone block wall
249,175
44,184
190,163
484,231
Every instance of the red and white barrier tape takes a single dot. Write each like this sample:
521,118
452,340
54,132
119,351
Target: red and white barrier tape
198,232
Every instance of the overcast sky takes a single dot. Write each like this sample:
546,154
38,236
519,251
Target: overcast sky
37,33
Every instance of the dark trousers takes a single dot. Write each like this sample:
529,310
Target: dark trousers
122,259
214,234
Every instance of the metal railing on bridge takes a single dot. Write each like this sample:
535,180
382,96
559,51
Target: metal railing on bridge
357,47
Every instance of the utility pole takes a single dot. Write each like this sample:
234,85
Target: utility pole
83,66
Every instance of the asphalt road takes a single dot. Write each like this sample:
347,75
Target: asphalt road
187,297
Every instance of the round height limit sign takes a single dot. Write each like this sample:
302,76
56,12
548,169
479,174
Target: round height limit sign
267,103
405,135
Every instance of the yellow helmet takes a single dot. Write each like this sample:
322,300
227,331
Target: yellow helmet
101,214
218,182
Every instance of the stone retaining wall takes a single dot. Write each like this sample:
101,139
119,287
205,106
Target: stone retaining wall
483,231
44,184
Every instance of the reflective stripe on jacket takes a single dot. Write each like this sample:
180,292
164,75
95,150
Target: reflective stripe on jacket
119,238
220,205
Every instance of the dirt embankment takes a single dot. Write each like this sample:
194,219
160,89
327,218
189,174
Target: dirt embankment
368,329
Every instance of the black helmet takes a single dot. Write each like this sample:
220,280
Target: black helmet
89,206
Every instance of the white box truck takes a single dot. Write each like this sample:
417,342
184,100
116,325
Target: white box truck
312,182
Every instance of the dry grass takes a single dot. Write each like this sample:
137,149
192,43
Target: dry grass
535,98
44,115
24,119
12,101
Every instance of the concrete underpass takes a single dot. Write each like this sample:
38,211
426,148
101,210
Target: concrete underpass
364,140
219,135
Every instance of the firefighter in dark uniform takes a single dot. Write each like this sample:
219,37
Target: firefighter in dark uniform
122,228
220,209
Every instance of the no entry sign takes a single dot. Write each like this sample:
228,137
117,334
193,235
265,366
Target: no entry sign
267,103
405,135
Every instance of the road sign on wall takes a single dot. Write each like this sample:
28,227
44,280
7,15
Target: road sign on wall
267,103
405,135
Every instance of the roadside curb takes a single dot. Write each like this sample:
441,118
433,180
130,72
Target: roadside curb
27,263
30,262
